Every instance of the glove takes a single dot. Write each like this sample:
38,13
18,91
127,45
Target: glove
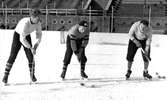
32,50
76,52
138,44
35,48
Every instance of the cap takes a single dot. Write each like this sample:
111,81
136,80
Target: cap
35,12
83,23
144,22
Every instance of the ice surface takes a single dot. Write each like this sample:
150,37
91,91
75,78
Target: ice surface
106,68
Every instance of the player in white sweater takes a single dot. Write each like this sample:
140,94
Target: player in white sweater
140,36
22,37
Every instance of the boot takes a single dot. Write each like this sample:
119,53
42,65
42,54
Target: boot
6,74
63,74
83,74
146,75
128,74
5,78
32,71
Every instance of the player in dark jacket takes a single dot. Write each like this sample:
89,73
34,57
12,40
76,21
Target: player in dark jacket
77,40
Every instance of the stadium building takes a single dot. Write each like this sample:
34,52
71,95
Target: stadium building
104,15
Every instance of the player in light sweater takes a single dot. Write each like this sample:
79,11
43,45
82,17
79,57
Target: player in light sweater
77,40
22,37
140,35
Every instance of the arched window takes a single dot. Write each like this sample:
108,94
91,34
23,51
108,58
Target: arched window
70,21
157,24
54,21
14,21
62,21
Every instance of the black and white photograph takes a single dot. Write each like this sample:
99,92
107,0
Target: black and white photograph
83,49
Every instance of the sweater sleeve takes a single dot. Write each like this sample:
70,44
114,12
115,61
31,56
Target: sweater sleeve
73,38
149,37
23,36
85,40
132,31
39,33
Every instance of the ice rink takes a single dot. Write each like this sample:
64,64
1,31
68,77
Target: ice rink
106,68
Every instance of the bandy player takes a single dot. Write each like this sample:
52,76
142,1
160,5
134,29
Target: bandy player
22,37
77,40
140,35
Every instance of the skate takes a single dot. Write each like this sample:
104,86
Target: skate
63,75
33,78
5,79
146,75
32,75
6,74
128,74
84,76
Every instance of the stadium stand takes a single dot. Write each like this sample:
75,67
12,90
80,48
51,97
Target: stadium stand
143,1
13,3
68,12
133,10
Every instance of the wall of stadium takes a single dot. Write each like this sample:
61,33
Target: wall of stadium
55,22
101,23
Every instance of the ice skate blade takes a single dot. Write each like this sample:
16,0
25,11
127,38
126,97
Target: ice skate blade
63,79
31,83
6,84
83,78
145,78
127,78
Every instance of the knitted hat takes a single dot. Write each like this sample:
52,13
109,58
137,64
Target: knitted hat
83,23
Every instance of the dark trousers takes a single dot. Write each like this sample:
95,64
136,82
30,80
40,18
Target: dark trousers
16,45
69,52
132,49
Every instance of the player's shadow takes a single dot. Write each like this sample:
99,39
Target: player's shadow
26,83
98,82
102,82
